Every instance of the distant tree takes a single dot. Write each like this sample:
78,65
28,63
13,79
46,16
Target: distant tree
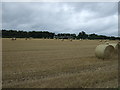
93,36
82,35
73,36
25,34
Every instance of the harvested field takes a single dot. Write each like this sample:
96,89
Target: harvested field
47,63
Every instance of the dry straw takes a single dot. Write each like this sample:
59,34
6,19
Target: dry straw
104,51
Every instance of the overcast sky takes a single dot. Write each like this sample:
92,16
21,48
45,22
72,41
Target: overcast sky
62,17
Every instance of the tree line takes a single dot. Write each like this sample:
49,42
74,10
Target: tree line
51,35
25,34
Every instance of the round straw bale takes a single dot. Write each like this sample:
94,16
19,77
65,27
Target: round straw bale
100,40
13,39
107,43
104,51
55,38
105,40
71,40
80,39
62,39
116,46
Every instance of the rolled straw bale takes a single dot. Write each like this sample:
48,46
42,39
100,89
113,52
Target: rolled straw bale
104,51
116,46
80,39
71,40
13,39
107,43
100,41
55,38
62,39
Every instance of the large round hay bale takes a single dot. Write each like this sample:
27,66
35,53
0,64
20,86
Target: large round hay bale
104,51
116,47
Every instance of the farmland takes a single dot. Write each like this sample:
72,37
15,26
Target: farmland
49,63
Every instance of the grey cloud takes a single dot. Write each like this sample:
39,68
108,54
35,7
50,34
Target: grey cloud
101,9
56,17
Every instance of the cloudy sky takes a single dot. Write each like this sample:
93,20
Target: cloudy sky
62,17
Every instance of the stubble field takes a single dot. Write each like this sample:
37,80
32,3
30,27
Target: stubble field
48,63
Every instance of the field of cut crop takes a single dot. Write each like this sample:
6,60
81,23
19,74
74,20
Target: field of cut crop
49,63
